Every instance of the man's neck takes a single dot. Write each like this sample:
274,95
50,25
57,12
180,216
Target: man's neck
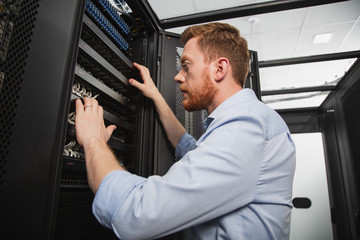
223,94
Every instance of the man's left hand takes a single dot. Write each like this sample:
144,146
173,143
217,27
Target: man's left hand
89,123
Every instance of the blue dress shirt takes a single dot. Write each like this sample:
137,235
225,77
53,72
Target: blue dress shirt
235,182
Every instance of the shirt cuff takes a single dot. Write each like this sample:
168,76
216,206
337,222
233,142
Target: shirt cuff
186,143
112,191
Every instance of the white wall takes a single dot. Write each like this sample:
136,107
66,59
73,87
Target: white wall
310,181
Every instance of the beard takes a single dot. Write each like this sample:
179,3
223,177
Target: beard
200,97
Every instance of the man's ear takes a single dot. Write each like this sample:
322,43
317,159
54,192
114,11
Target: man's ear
222,67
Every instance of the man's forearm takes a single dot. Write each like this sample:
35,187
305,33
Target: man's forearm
100,161
173,128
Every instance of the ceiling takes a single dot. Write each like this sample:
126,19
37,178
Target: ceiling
286,34
281,34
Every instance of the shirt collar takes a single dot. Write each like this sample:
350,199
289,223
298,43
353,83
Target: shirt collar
241,95
207,122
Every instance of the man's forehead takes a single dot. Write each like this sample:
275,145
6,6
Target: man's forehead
185,57
190,50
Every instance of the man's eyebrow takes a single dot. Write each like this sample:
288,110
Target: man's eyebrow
184,58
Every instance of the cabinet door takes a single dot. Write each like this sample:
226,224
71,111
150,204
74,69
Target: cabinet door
311,213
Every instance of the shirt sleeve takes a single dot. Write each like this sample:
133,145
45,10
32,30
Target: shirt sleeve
217,177
112,190
186,144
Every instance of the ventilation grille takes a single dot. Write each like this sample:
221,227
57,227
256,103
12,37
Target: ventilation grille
192,121
73,181
17,19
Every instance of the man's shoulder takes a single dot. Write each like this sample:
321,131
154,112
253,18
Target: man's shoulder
255,111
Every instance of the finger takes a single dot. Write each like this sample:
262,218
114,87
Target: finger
79,107
135,83
90,104
101,114
144,71
110,129
94,103
87,103
136,65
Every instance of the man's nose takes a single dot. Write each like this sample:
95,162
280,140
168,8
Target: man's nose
179,78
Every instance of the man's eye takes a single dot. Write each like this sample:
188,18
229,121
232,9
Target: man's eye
185,67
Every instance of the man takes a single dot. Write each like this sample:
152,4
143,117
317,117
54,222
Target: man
235,182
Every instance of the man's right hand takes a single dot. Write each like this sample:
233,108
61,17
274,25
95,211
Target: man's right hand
148,87
172,126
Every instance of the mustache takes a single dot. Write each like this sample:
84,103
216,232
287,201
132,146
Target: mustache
183,88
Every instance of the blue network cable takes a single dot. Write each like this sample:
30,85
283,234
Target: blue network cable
117,18
96,13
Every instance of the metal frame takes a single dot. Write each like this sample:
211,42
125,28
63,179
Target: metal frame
36,152
295,118
301,120
241,11
144,7
339,158
253,78
298,90
302,60
166,64
309,59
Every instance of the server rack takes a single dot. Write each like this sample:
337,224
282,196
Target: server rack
340,129
53,52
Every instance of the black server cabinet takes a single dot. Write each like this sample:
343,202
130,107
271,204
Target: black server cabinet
339,120
51,53
39,63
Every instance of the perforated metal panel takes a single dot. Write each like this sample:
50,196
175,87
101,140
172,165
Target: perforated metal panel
16,25
192,121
